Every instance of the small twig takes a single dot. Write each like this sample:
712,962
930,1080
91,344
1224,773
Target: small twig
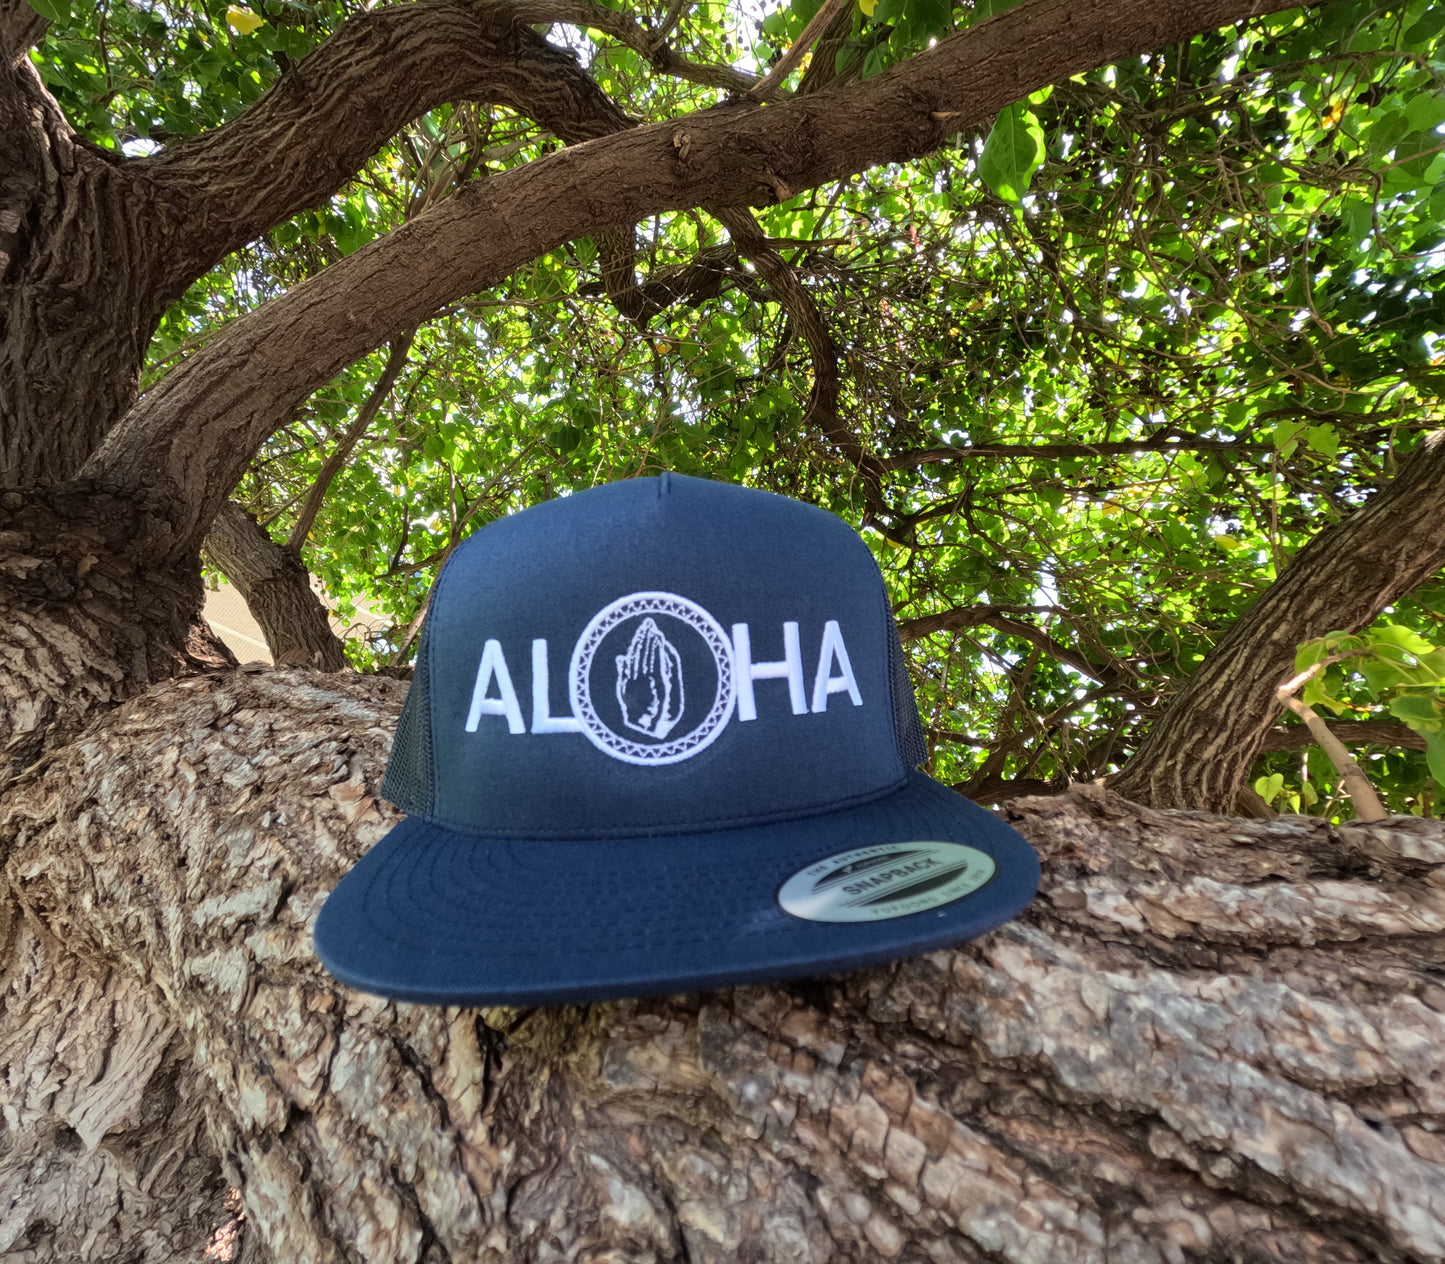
1309,673
674,15
779,73
365,415
411,630
1362,794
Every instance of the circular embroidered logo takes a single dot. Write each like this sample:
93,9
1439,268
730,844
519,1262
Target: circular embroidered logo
652,678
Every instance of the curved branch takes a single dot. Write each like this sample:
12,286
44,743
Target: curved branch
187,441
693,283
323,119
1059,451
333,464
1341,579
822,411
629,33
1114,674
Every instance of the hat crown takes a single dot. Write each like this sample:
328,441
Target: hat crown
654,656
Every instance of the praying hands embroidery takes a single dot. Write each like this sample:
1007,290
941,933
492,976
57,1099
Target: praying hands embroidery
649,682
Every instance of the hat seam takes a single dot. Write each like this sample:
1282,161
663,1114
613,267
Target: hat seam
889,634
431,772
717,825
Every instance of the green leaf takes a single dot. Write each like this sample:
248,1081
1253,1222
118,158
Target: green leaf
1435,756
1380,676
57,11
1357,219
1268,788
1013,152
1316,693
1427,27
1400,637
1426,111
1324,440
1420,711
1286,438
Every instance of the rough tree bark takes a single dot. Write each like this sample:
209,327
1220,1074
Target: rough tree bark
1199,750
90,615
1207,1040
277,587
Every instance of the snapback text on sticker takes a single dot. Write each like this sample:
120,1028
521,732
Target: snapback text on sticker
887,880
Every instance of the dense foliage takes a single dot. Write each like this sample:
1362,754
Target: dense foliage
1114,359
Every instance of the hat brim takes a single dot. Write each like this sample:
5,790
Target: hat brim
436,915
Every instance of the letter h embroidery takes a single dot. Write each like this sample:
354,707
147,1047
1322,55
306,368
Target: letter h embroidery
790,669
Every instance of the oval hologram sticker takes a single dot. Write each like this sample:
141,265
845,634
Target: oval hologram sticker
873,884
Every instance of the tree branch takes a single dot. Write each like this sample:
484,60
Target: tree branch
1340,580
277,589
629,33
332,466
321,121
669,22
822,411
693,284
821,20
185,444
1053,451
1142,1059
1351,732
1113,674
1362,794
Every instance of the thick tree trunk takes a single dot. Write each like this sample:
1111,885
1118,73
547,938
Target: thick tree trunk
1206,1040
21,27
90,619
277,588
79,298
1198,753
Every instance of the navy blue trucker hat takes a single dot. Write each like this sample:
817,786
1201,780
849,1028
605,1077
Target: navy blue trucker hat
661,738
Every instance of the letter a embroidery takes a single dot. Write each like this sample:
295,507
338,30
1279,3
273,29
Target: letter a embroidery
833,650
494,665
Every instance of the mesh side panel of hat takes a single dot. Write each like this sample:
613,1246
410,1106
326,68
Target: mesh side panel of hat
906,723
409,780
